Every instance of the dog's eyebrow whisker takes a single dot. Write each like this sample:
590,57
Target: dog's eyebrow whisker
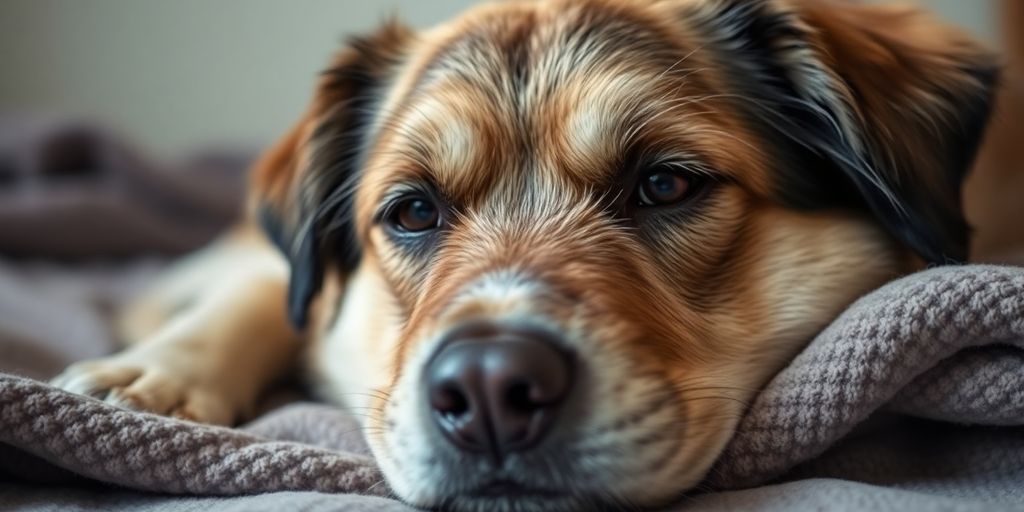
670,106
682,60
706,129
630,135
688,73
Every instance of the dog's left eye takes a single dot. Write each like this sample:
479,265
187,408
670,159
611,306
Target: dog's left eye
663,187
416,214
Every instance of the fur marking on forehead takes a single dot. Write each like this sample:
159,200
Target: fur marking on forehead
446,139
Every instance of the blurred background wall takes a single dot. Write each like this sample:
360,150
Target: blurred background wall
177,76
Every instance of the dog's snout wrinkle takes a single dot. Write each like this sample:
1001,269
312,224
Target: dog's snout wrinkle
497,391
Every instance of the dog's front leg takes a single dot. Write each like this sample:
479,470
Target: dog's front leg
209,362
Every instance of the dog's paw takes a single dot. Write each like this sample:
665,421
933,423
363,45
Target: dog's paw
145,387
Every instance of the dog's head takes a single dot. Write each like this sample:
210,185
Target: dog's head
560,244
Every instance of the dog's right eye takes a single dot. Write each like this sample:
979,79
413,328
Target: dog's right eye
416,214
663,187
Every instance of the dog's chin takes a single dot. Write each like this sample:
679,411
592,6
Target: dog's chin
505,494
510,495
555,484
468,486
521,503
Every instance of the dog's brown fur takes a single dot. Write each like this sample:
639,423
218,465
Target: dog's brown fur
527,121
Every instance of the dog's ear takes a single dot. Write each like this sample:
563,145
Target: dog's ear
879,105
301,187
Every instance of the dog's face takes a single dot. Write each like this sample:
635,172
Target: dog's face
562,244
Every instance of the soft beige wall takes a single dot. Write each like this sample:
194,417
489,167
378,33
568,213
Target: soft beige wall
175,75
976,15
179,74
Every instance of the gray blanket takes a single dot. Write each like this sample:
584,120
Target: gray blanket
912,400
914,393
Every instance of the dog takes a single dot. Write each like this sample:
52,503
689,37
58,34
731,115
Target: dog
552,248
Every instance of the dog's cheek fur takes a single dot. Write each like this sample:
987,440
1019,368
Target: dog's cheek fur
793,278
777,278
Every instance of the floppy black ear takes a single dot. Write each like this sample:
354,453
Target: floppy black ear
303,185
878,106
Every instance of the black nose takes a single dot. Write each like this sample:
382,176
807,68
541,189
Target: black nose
497,390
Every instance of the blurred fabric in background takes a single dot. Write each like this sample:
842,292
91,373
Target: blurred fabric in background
85,220
126,127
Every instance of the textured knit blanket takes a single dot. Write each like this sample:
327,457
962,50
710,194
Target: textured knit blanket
912,400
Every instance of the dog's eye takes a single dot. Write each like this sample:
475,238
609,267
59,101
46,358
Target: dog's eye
663,187
415,214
